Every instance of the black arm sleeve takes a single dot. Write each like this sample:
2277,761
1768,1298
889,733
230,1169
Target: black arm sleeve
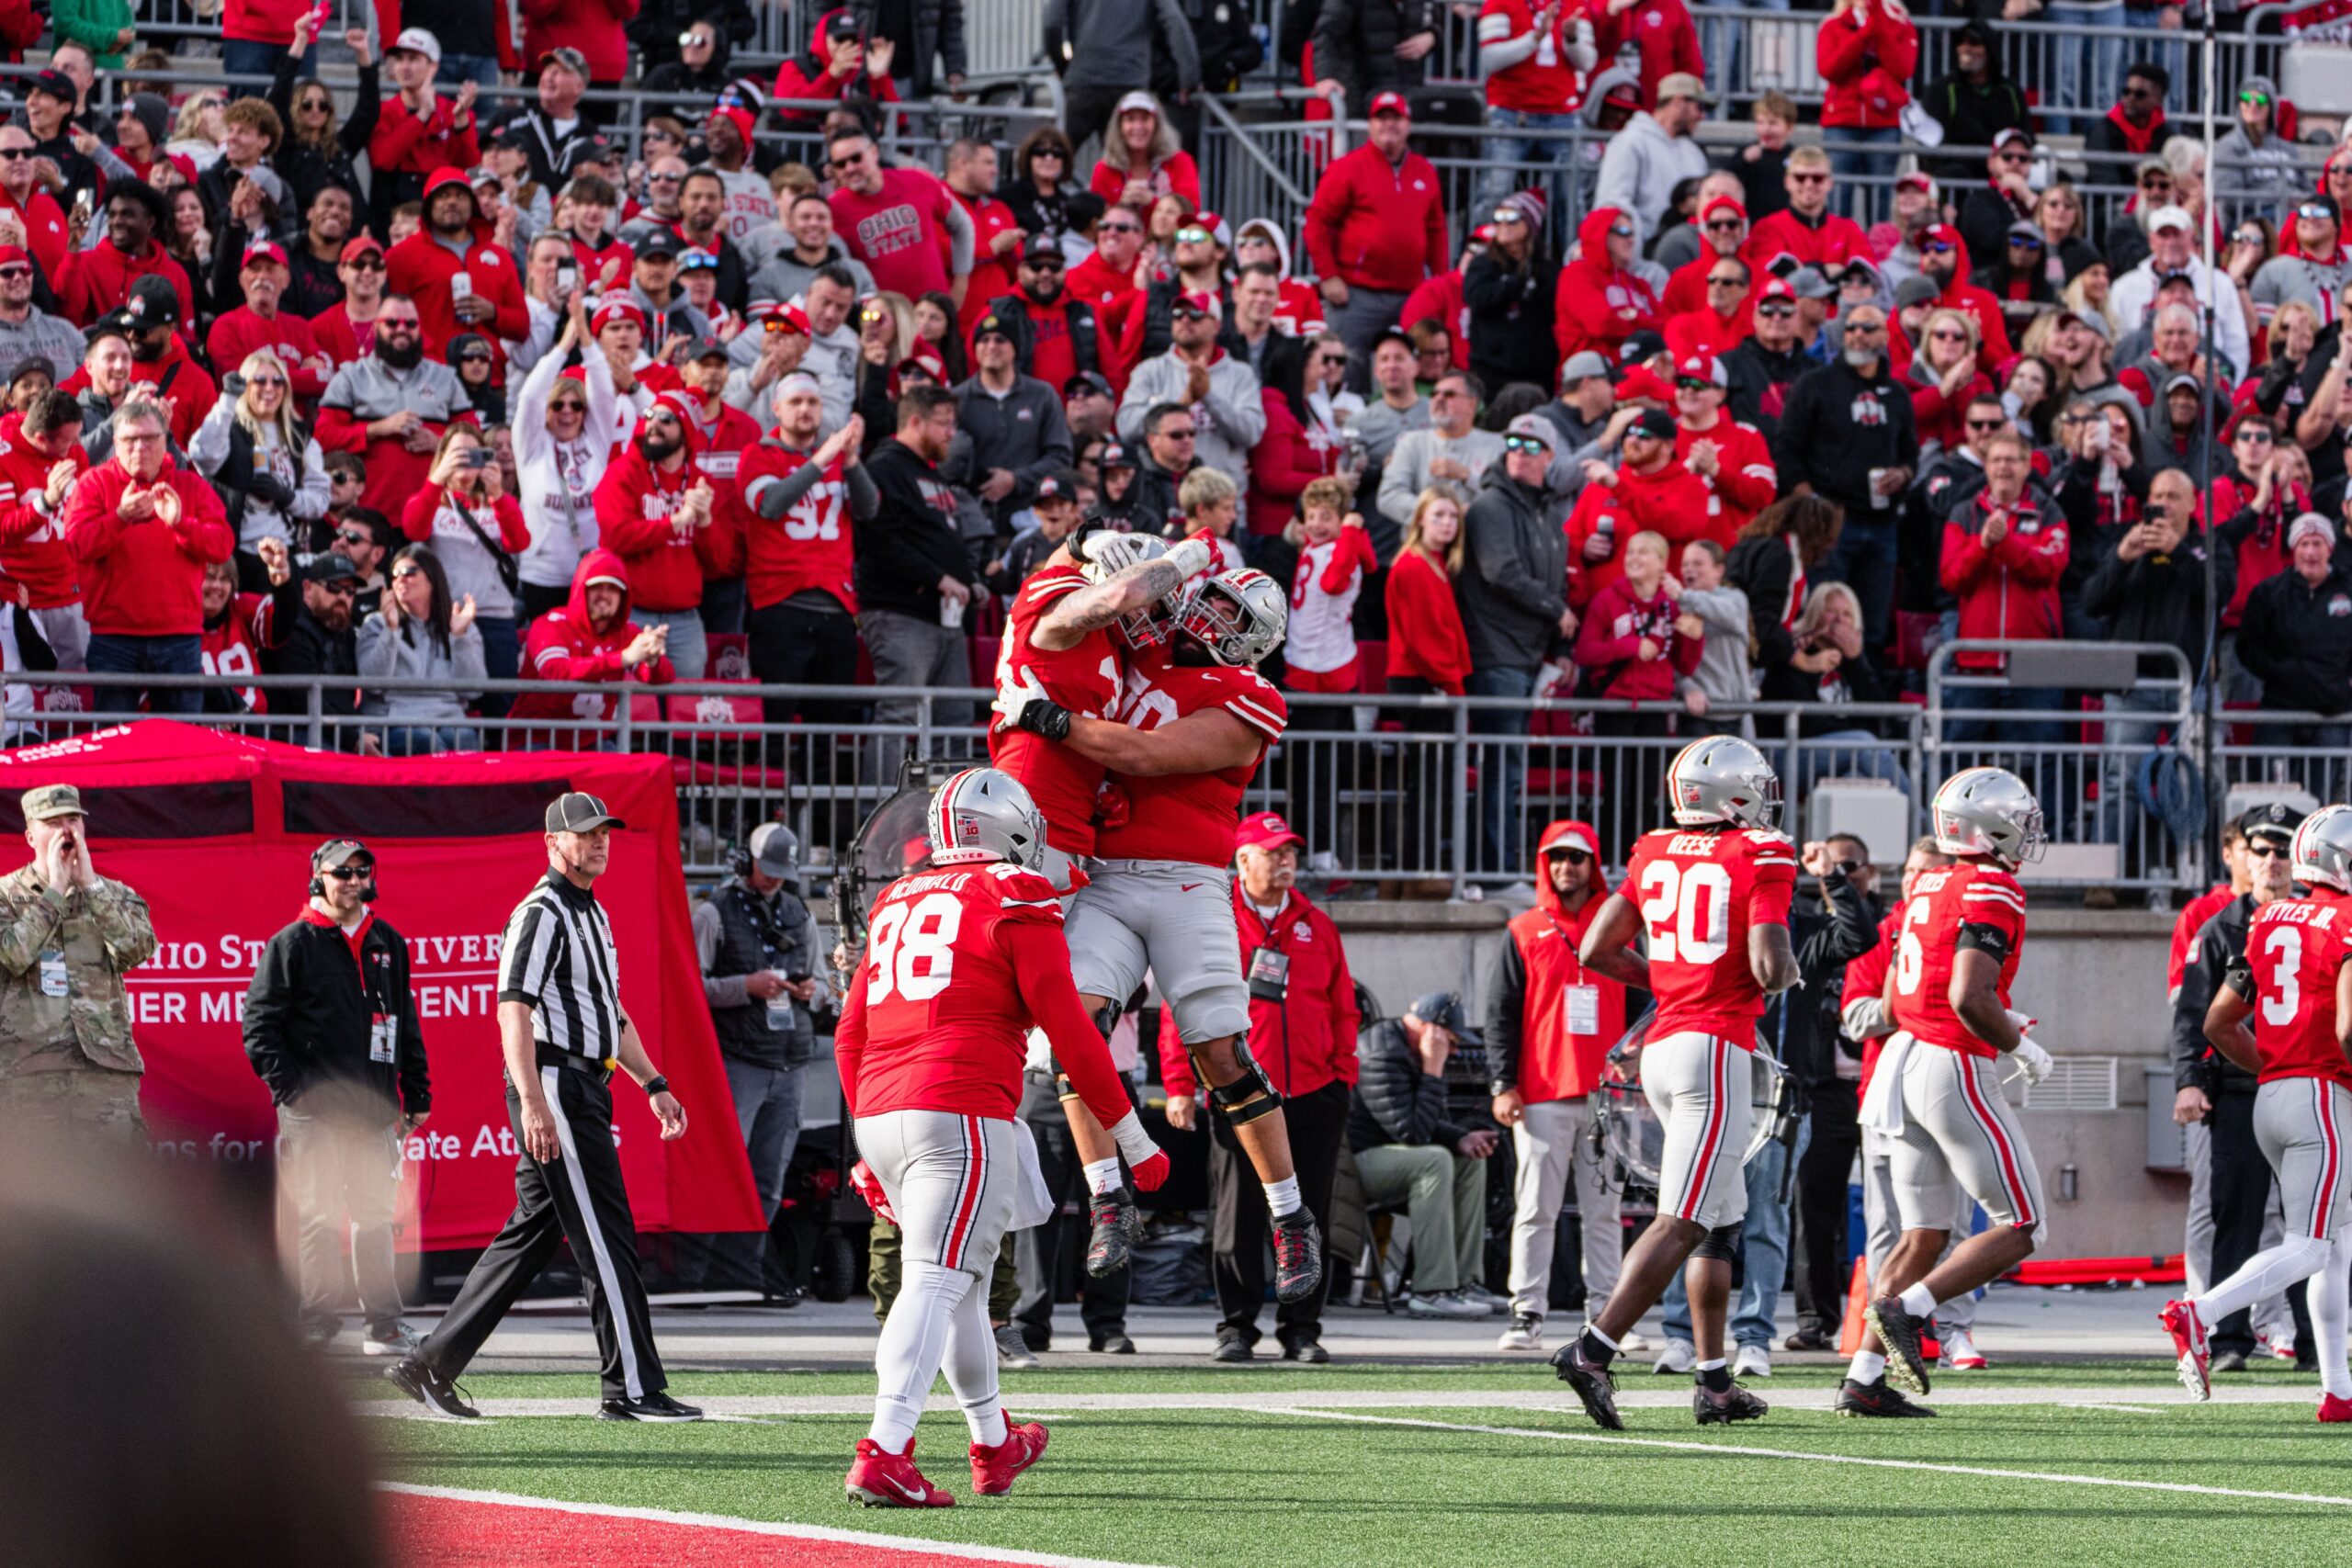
1505,1010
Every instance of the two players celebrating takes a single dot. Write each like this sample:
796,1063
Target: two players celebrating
1710,896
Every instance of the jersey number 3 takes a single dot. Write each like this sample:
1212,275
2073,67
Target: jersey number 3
2282,998
912,949
1687,912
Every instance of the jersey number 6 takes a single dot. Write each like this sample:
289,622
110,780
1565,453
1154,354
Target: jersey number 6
1910,957
912,947
1687,912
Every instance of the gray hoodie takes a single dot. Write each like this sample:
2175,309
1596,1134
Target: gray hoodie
1514,578
1231,418
1640,170
787,276
409,650
1722,666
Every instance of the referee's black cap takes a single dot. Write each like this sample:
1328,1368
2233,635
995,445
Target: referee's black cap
579,812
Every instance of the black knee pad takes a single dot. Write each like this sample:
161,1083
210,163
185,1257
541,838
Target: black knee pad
1720,1244
1247,1098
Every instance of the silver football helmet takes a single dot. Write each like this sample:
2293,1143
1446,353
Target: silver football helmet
1722,779
1107,554
2323,852
1236,616
983,814
1989,811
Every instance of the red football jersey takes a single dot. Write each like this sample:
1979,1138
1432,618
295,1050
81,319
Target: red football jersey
1971,893
810,546
1084,680
1186,817
2295,947
936,1001
1701,891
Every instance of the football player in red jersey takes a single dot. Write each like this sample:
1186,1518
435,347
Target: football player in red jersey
1093,600
2294,986
959,960
1935,1092
1714,895
1191,730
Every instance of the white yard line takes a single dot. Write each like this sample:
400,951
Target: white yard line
1619,1439
2120,1409
759,1527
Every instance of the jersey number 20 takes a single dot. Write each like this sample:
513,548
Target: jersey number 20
912,948
1687,912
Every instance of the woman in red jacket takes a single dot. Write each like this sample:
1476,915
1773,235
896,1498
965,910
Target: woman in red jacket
1943,377
1141,161
1427,651
1866,52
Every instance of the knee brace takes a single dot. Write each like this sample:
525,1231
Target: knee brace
1247,1098
1720,1244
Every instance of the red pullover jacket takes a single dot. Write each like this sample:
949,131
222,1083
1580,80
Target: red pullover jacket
1670,502
1609,644
91,283
1830,242
1866,58
1598,307
2010,589
634,503
1745,480
241,331
145,579
421,267
1308,1038
1425,635
1660,30
1993,349
413,146
563,646
32,537
1552,1022
1376,226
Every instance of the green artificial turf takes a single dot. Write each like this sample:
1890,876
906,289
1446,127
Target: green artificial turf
1262,1489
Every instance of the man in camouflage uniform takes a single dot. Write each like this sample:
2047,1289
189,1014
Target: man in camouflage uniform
67,937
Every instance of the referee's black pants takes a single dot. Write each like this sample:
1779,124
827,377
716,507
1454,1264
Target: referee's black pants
1241,1225
580,1196
2241,1194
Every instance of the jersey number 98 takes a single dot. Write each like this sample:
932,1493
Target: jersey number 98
912,949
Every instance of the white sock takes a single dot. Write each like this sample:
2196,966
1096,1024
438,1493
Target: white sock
1711,1365
1594,1329
906,1355
1917,1300
1282,1197
2327,1297
1102,1176
1868,1367
971,1368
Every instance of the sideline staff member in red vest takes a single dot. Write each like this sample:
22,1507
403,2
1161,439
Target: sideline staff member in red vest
1549,1028
1303,1021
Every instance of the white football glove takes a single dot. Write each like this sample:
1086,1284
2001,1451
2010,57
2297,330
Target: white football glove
2024,1024
2036,1061
1195,555
1111,553
1014,695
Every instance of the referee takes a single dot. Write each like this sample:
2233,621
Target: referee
562,1031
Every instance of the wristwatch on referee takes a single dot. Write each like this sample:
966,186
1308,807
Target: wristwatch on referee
655,1085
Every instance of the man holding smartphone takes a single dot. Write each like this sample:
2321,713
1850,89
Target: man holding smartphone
67,938
757,945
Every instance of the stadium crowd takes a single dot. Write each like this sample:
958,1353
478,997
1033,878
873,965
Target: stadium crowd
523,399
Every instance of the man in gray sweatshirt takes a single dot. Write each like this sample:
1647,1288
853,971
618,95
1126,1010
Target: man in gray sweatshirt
1019,432
27,331
1452,450
1653,155
1222,392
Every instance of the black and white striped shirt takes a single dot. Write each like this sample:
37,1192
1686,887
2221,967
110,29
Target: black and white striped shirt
559,958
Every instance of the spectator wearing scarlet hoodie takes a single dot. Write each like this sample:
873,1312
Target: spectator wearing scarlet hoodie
1533,55
1806,229
1636,642
838,63
590,639
1648,491
660,516
456,278
418,134
1943,260
971,170
258,323
463,512
1437,301
1731,460
804,498
141,529
1601,302
2003,554
40,459
92,282
1723,321
1723,230
2254,504
390,406
1288,459
1375,228
1866,52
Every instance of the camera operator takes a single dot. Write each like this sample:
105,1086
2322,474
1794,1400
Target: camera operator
757,945
331,1026
67,937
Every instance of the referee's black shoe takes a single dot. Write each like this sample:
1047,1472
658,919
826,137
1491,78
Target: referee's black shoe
654,1406
429,1389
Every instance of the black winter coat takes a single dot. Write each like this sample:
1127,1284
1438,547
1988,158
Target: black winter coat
1801,1025
2297,640
309,1008
1355,45
2160,599
1394,1101
1511,320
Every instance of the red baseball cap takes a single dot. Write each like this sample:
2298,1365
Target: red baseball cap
1389,103
360,245
262,250
1703,367
14,253
612,310
1265,830
1721,203
794,320
1199,301
1776,288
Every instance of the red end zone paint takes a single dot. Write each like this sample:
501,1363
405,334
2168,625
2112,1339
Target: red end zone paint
432,1528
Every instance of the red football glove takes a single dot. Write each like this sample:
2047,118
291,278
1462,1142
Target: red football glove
869,1187
1150,1173
1147,1159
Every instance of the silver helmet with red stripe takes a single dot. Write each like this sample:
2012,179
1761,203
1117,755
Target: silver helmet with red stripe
983,814
1722,779
1237,616
2323,852
1989,811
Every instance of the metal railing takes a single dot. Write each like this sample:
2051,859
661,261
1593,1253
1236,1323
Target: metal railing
1426,793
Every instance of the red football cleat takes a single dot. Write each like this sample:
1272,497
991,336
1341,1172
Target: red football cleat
883,1480
2193,1356
2333,1409
994,1470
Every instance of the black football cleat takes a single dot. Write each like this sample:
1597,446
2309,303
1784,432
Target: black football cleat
430,1389
1298,1256
1874,1399
1117,1224
1592,1383
1734,1404
1898,1338
654,1406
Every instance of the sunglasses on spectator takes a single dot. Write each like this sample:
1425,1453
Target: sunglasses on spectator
15,270
664,179
1118,228
1939,247
1694,384
1866,326
1816,178
2316,210
2155,182
342,589
2254,97
1949,334
695,40
402,574
2250,237
1193,235
567,405
1510,215
2256,436
2261,851
1723,225
2024,243
16,153
1173,433
265,379
1725,282
1982,425
1574,857
1621,231
473,359
2014,155
1777,309
353,536
850,162
1525,445
367,263
1054,153
1340,357
348,873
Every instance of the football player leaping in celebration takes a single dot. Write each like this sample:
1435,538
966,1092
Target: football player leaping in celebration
959,961
1195,721
1714,895
1937,1092
2295,987
1059,638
